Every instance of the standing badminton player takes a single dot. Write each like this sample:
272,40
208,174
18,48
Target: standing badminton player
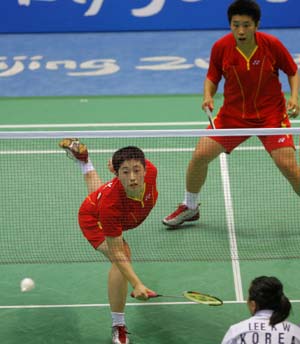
249,61
110,209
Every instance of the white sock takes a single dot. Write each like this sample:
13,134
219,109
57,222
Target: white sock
86,166
118,318
191,200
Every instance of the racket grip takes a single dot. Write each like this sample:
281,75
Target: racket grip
150,295
208,108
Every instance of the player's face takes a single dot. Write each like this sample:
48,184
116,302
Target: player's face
251,306
243,28
131,174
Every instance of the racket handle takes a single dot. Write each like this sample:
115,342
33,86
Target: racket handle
209,115
208,108
150,295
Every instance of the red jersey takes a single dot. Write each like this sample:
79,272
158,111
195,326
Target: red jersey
109,211
252,90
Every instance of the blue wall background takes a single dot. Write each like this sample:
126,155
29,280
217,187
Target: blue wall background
121,47
128,63
17,16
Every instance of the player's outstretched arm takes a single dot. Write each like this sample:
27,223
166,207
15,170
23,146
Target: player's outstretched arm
117,255
92,180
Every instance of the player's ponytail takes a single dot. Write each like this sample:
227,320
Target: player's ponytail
267,292
281,311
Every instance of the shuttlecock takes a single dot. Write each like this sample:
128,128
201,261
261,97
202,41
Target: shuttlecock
27,284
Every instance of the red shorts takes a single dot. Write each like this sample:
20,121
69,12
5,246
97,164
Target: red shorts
270,142
89,225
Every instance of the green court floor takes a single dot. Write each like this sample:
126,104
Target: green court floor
69,303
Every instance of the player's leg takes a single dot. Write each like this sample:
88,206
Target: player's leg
117,283
117,294
206,151
79,152
283,152
285,160
92,180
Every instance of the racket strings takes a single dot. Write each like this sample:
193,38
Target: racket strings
203,298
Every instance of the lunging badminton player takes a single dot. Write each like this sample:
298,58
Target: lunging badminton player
249,61
110,209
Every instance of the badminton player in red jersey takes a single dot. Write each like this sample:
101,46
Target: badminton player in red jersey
249,61
110,209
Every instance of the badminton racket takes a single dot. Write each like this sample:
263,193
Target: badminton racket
210,116
194,296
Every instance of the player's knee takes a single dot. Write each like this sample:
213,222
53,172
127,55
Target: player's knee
202,158
285,166
127,250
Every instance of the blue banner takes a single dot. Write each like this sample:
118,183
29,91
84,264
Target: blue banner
26,16
169,62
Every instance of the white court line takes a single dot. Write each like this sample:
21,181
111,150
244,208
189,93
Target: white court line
231,229
101,151
146,150
87,125
100,305
105,305
93,125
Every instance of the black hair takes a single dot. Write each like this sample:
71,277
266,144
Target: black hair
127,153
267,292
244,7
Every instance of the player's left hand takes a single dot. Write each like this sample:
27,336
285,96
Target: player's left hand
292,109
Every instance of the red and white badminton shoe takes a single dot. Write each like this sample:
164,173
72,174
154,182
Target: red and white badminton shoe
75,149
180,215
119,335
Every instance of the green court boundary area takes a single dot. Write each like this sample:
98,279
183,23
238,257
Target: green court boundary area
102,109
69,304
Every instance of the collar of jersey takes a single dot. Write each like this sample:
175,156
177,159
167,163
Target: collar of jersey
264,313
138,199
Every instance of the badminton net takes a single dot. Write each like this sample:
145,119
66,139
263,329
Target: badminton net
248,209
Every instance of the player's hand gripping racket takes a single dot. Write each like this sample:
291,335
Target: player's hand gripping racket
292,113
210,116
194,296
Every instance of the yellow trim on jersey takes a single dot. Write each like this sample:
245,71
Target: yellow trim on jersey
141,199
89,198
245,57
